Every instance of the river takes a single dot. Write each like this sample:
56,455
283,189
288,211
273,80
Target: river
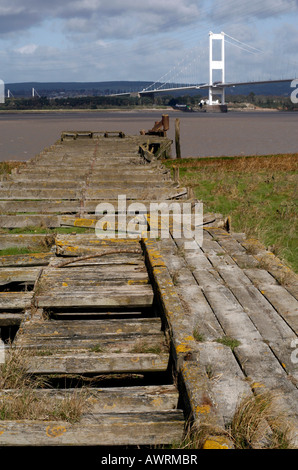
23,135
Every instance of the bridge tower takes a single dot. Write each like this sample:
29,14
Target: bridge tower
218,64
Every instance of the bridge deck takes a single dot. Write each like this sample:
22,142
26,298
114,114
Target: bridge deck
122,316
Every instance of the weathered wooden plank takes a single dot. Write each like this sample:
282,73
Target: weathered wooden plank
10,318
104,343
73,249
89,313
227,384
40,206
267,374
220,260
34,259
284,302
38,183
27,240
71,169
11,221
245,260
26,274
286,306
90,239
144,205
107,226
29,220
98,363
135,183
22,194
133,193
97,430
275,331
260,276
255,356
197,309
112,400
70,278
15,300
89,286
134,297
87,259
140,335
105,271
234,321
91,328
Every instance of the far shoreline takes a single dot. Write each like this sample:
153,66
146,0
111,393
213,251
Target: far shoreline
139,110
85,110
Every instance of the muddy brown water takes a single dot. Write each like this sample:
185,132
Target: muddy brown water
22,136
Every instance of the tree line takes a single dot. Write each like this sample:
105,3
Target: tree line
108,102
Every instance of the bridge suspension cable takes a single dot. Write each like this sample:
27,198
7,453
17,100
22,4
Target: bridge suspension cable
251,49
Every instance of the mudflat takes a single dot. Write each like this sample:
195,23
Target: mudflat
23,135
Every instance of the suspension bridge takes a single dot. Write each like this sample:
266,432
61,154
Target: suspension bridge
217,84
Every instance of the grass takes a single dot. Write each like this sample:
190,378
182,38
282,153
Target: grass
15,250
230,342
257,423
44,245
44,230
23,400
7,167
258,192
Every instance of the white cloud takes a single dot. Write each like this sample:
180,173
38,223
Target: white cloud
136,39
27,49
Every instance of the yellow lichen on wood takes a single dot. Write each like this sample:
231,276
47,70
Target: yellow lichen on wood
183,348
84,222
55,431
216,442
203,409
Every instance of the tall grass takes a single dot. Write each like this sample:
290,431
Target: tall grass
258,192
7,167
21,396
258,423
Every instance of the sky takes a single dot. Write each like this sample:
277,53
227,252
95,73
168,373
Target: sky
108,40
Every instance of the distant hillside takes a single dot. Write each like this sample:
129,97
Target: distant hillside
65,89
266,89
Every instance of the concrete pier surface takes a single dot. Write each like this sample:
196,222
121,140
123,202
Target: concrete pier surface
23,135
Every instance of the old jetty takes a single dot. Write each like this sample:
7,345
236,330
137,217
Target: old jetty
126,334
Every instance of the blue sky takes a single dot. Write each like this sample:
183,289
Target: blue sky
99,40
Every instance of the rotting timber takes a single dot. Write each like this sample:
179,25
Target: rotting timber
117,317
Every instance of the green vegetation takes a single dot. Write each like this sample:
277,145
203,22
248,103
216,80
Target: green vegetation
15,250
130,102
230,342
24,402
7,167
282,103
198,336
45,230
45,243
258,423
258,192
93,102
